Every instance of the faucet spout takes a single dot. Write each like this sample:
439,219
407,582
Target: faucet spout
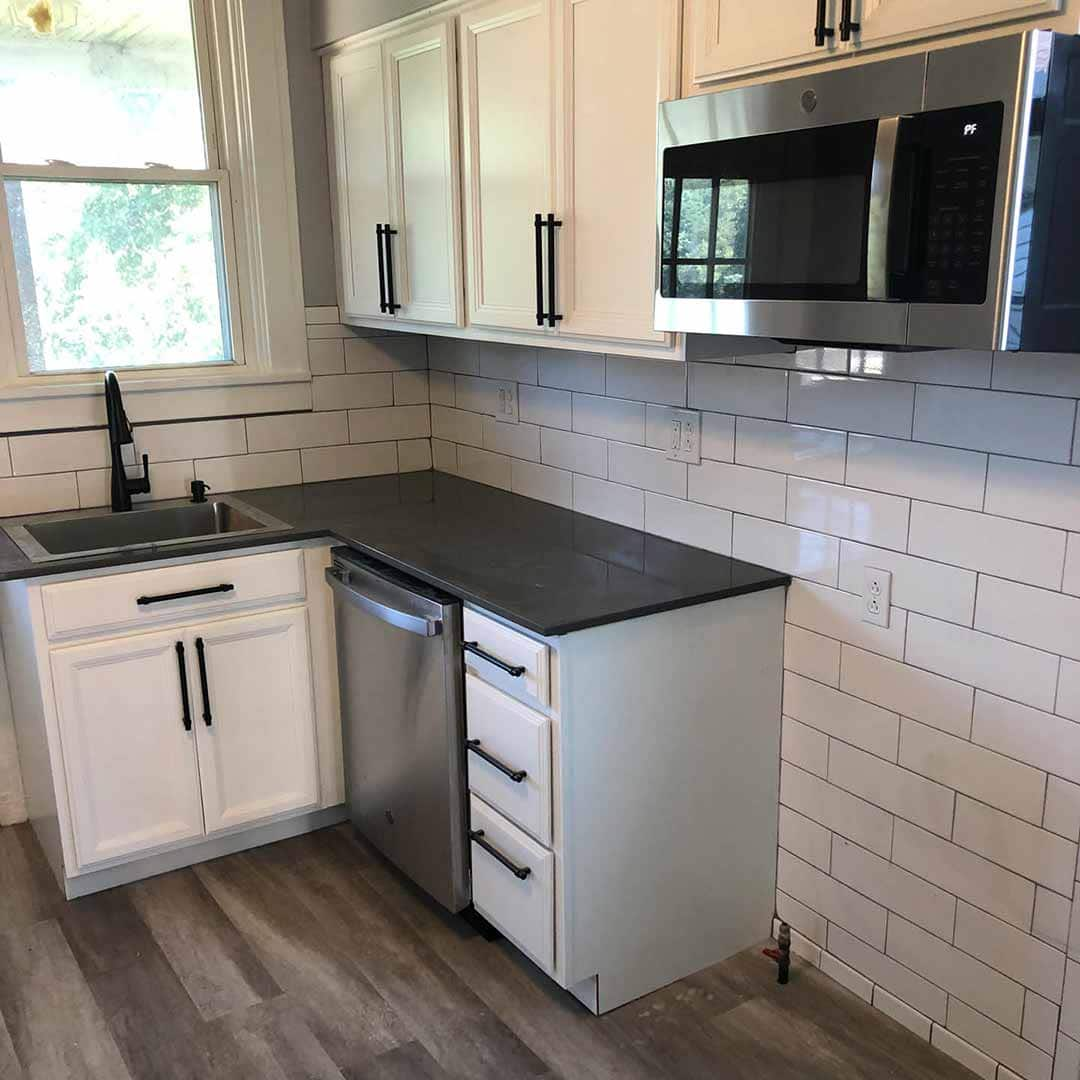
120,435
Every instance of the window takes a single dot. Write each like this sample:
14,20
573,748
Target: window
115,228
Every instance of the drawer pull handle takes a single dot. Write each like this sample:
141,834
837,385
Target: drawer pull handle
184,699
161,598
200,649
517,775
520,872
516,670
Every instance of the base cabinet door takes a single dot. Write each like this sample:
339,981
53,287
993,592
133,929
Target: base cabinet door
128,748
254,718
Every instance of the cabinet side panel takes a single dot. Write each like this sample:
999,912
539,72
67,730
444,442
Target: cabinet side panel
324,676
672,745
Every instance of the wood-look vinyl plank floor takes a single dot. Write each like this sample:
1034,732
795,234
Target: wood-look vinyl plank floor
313,959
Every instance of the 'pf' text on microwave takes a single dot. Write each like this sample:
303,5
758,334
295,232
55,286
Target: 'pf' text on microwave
928,200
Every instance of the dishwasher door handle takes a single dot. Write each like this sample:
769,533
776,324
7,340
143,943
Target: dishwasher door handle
403,620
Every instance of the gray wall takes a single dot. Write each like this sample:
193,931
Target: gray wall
335,19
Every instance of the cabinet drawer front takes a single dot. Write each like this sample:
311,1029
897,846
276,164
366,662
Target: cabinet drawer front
113,603
512,648
523,909
521,740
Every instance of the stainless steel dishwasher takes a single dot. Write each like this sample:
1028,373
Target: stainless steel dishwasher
403,719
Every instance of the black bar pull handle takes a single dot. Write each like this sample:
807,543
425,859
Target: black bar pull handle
552,225
391,301
200,649
161,598
517,775
520,872
847,25
516,670
538,226
382,268
185,701
821,32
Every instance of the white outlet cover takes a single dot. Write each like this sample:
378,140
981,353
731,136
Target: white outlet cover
876,595
685,436
506,402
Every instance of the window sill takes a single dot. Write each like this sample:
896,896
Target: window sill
135,380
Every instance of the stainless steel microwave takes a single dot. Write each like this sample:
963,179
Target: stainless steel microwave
927,200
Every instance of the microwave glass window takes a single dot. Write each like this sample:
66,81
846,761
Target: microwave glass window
779,216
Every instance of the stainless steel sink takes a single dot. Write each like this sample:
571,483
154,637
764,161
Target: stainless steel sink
102,532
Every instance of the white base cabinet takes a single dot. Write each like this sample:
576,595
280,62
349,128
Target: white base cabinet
207,722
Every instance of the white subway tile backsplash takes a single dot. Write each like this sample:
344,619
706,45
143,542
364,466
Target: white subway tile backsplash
454,354
964,874
457,425
805,838
870,406
1033,852
932,588
549,408
1067,1061
518,363
643,467
1070,1002
688,523
1051,920
291,431
1037,617
903,1014
1034,491
741,391
476,394
392,422
945,367
803,451
1040,1021
514,440
847,977
812,655
842,716
568,369
982,660
831,898
411,388
993,545
1057,374
444,456
839,615
612,502
738,488
1068,694
1031,735
953,970
201,438
867,516
1071,578
341,462
333,392
609,418
805,746
804,920
642,379
973,1060
1025,426
1002,1045
414,455
963,766
63,451
274,469
868,825
577,453
326,356
394,352
934,700
168,479
811,358
1062,808
901,981
937,474
441,388
484,467
796,551
542,482
894,888
1011,951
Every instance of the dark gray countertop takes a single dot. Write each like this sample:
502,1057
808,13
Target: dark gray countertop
544,568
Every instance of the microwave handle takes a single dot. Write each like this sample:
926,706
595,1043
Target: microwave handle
881,192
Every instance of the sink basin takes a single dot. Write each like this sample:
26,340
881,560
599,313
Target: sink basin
171,523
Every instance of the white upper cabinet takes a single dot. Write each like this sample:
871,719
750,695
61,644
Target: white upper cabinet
356,126
508,101
728,38
425,255
129,749
254,719
620,57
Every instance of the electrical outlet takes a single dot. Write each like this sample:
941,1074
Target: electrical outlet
506,402
877,595
685,444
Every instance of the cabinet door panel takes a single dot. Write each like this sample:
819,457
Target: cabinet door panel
132,776
257,756
732,37
356,130
508,102
615,68
886,22
422,90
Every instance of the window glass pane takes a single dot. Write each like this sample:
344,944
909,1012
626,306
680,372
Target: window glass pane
732,218
669,207
695,208
103,82
728,281
118,275
691,280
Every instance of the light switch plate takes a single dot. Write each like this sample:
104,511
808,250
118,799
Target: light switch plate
685,436
506,402
877,595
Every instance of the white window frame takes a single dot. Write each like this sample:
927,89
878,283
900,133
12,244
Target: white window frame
243,81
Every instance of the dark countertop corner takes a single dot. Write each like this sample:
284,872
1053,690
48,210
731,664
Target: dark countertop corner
549,570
